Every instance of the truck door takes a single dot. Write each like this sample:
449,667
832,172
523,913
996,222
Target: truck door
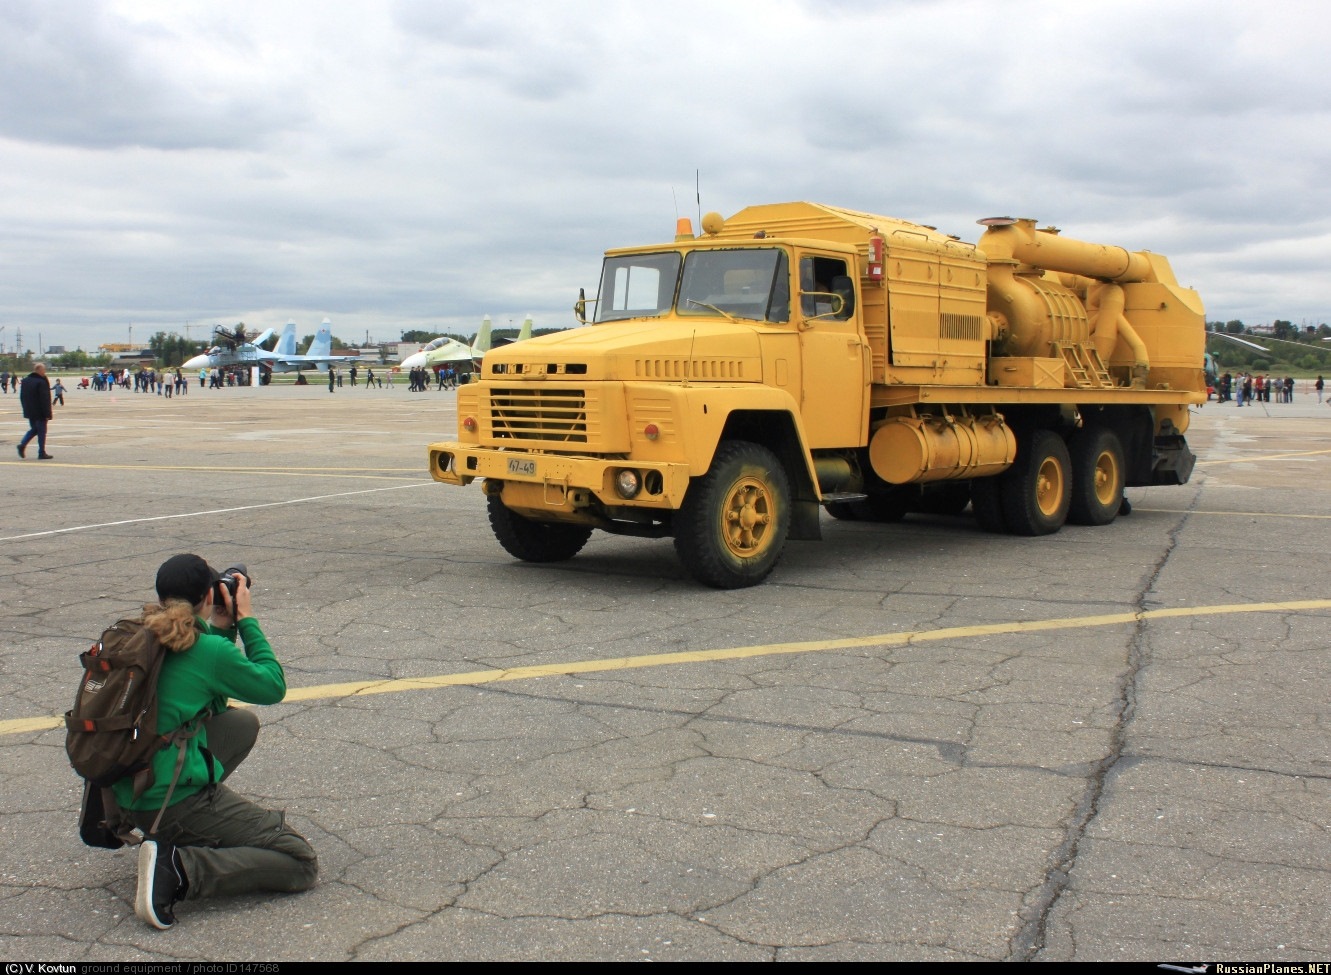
834,357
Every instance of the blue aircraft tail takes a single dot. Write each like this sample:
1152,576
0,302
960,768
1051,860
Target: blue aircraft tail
322,343
286,345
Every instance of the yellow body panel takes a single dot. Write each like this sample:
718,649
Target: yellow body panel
786,334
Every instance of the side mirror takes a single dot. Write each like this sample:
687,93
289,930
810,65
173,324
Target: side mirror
580,306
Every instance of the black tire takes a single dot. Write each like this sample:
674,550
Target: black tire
878,508
1097,476
882,508
535,541
1037,488
987,504
843,511
949,498
732,527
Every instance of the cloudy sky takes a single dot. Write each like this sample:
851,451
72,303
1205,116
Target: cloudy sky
420,163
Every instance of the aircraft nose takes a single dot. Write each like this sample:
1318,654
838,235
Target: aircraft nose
198,362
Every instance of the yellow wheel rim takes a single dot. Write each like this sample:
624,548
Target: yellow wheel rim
747,518
1049,487
1106,478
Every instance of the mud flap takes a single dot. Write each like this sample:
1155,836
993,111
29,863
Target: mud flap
1172,460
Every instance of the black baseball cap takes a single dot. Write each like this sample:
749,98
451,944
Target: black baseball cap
186,577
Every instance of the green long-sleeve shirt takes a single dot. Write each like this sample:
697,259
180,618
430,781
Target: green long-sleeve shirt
204,677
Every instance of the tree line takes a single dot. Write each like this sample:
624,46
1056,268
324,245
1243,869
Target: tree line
1289,348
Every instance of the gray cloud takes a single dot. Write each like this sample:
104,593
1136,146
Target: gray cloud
424,162
76,74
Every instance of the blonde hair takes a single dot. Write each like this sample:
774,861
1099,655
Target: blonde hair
173,622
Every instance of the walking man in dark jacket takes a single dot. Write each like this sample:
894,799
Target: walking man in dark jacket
35,397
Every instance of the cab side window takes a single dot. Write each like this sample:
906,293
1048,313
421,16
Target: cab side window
820,279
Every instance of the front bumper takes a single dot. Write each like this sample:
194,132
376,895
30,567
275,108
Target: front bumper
556,484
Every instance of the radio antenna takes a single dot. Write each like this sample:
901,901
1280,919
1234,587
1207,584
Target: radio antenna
697,192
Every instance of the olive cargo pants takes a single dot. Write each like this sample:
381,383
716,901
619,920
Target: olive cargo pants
228,844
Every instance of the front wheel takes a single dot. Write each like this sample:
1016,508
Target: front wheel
731,529
535,541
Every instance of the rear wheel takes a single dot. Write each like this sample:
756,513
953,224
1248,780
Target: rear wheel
1097,476
535,541
1037,488
732,527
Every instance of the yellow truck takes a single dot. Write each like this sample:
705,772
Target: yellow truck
797,356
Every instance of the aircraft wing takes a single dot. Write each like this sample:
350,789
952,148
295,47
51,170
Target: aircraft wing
1231,338
308,361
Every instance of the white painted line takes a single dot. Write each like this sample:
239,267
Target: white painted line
213,511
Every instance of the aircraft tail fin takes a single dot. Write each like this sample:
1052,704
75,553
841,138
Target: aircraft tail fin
482,344
286,345
525,331
322,343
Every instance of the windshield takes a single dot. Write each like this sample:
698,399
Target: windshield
749,282
637,286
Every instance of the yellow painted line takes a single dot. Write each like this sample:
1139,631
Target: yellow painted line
1261,457
475,677
1243,514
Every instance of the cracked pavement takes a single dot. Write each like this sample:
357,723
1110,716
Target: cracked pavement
1151,789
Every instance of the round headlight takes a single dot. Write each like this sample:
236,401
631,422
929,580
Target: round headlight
628,484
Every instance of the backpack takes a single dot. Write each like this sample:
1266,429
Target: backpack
111,732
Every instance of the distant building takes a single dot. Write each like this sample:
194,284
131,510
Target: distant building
130,359
55,350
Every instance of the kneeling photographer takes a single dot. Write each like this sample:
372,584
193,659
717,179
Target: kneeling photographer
209,841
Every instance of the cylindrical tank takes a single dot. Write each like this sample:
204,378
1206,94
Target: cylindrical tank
910,449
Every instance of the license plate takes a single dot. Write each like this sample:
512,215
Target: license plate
525,468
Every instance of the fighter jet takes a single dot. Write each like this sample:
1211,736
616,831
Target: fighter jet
444,349
233,349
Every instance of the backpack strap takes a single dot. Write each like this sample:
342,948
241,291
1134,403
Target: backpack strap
180,737
116,821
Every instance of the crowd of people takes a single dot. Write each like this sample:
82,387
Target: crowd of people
445,378
1245,388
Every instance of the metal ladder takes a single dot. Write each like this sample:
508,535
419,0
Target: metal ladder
1084,364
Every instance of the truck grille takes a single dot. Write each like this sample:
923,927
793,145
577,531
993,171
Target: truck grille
551,415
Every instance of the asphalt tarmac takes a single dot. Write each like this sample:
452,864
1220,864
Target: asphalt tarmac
915,741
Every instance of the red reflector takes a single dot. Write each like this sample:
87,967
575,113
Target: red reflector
651,431
469,423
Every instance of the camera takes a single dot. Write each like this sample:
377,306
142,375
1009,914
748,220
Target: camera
230,580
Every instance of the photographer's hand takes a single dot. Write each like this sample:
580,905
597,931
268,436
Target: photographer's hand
222,617
242,608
